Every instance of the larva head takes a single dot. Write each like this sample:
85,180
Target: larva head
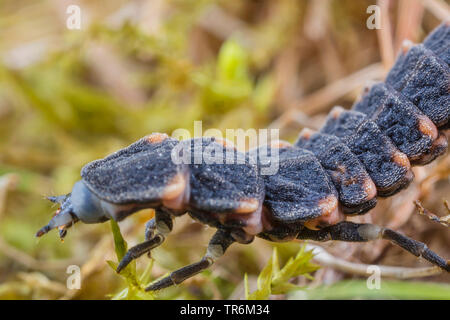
79,205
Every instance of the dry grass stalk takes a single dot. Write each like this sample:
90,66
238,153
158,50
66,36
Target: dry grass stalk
320,100
327,260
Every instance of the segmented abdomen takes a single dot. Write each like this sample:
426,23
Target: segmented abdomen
395,124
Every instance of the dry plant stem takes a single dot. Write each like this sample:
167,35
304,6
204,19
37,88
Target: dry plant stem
403,210
323,98
325,259
221,24
38,280
385,36
316,19
305,121
29,262
112,73
445,221
153,14
330,59
438,8
7,182
96,262
440,172
410,15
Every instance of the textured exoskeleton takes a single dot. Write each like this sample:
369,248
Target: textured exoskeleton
357,156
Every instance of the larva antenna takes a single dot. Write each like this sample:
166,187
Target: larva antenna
63,218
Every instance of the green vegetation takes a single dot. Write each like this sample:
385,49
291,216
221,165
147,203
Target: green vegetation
68,97
273,280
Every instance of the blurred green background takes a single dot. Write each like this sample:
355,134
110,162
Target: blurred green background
68,97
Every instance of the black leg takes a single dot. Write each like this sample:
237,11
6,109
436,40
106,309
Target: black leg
216,248
150,228
138,250
354,232
162,224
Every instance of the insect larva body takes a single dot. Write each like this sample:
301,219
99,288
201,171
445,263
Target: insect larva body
357,156
437,41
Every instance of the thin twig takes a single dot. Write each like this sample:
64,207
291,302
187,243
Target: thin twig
445,221
37,280
30,262
321,99
223,25
324,258
7,182
438,8
410,13
97,257
112,72
385,36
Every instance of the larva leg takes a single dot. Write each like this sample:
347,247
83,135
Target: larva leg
138,250
150,228
216,248
162,224
354,232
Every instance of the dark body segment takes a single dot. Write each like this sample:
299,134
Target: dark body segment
341,123
140,173
387,166
409,129
221,179
424,79
357,192
439,42
301,190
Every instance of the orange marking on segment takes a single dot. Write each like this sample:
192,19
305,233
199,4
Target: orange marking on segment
156,137
427,127
350,181
175,187
280,144
366,89
330,214
336,112
440,143
306,133
312,224
225,142
369,188
247,206
406,45
341,169
328,205
401,159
